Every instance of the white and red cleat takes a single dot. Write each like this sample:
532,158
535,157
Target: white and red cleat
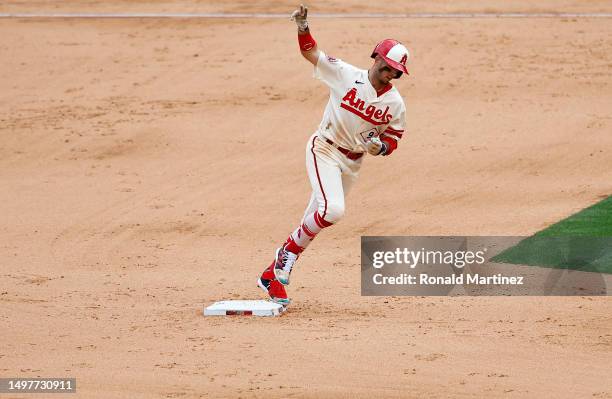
283,263
272,287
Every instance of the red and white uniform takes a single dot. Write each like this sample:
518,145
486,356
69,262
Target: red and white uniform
354,114
358,120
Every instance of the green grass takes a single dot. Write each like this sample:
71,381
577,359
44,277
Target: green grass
581,242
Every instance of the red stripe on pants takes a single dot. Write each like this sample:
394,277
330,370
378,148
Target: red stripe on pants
318,177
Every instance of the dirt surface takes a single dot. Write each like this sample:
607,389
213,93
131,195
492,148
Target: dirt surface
151,167
320,6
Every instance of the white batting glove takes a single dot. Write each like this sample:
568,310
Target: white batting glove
299,16
375,146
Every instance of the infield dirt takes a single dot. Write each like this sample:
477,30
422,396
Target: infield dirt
149,167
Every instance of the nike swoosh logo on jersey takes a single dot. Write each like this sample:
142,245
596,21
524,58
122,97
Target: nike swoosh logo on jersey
358,82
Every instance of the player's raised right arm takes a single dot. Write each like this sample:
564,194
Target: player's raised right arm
308,46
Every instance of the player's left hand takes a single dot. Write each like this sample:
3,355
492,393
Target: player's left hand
374,146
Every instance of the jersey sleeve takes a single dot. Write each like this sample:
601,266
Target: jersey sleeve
394,131
329,70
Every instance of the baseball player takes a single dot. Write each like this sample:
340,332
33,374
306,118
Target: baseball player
364,114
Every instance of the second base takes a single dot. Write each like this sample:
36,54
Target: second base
244,308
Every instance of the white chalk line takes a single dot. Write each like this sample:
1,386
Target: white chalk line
316,15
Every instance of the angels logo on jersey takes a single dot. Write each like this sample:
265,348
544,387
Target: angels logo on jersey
357,106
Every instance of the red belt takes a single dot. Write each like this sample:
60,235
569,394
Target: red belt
349,154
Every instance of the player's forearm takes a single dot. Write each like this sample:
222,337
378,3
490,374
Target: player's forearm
308,46
389,145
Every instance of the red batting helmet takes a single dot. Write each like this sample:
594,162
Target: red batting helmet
393,52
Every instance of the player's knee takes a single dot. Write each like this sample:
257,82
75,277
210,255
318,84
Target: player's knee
335,212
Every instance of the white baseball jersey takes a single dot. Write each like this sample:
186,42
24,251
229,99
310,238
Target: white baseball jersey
355,112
